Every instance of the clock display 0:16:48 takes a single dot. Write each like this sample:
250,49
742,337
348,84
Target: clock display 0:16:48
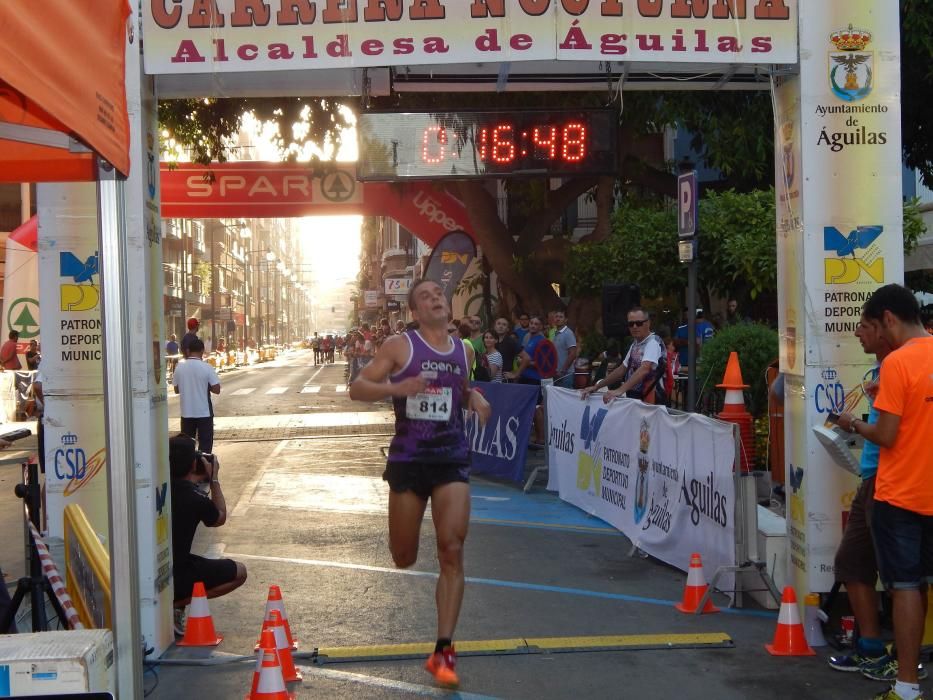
503,143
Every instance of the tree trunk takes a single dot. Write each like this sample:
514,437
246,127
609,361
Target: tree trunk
534,293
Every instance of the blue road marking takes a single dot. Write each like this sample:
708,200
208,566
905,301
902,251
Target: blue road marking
543,588
506,505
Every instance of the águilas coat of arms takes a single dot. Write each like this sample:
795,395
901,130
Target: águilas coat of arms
851,68
641,482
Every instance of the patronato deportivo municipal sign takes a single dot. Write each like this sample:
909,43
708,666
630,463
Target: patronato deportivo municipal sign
208,36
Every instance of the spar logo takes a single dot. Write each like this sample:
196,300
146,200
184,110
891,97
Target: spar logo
431,209
589,461
853,257
81,294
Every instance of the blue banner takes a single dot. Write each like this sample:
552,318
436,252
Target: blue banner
449,261
498,448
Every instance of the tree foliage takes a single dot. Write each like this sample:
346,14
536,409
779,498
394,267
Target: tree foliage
737,244
757,347
206,129
737,248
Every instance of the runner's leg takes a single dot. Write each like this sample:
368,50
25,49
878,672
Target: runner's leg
450,510
406,511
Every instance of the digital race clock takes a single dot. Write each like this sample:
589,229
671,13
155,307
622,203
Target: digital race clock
432,145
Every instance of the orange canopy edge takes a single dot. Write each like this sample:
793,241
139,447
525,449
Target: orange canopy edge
62,67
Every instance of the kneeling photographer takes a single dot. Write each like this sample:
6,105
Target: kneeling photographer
190,507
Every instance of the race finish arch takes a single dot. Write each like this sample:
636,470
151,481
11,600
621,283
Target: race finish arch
835,81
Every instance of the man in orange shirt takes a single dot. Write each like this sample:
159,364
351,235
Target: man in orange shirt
902,520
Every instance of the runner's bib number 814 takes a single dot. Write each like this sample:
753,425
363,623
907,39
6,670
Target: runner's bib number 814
434,403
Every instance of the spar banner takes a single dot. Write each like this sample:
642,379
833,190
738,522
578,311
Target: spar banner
498,448
21,287
666,482
229,36
256,189
449,261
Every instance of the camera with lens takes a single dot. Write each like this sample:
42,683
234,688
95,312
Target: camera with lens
199,465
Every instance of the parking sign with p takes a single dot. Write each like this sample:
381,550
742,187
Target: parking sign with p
687,204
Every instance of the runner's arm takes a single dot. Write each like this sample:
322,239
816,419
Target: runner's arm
372,383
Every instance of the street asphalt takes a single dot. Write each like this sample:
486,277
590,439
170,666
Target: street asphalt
301,468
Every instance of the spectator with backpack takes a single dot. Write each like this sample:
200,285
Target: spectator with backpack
644,368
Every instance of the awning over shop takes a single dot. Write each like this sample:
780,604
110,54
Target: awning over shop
62,92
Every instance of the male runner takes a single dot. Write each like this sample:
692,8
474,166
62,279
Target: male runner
427,371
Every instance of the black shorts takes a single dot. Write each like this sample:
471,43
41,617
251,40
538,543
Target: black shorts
210,572
421,478
855,558
904,545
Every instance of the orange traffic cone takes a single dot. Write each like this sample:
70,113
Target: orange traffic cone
199,627
695,589
734,411
289,672
266,643
789,637
268,683
275,602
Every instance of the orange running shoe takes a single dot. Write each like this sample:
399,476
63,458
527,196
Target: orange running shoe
442,665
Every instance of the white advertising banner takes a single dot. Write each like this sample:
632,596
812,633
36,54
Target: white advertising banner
229,36
840,227
69,288
72,367
664,481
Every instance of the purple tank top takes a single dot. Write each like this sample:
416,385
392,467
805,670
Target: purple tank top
429,426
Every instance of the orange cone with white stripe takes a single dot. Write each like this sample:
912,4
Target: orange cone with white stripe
275,602
199,626
289,672
695,589
268,683
789,637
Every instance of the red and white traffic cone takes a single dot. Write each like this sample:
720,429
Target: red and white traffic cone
199,626
789,637
695,589
289,672
734,411
276,602
268,683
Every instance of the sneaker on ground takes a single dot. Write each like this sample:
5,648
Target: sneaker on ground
885,669
442,665
891,694
179,622
853,662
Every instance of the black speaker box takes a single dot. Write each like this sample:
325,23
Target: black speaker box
618,299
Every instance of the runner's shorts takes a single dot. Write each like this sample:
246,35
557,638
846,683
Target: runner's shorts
903,545
422,478
855,558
